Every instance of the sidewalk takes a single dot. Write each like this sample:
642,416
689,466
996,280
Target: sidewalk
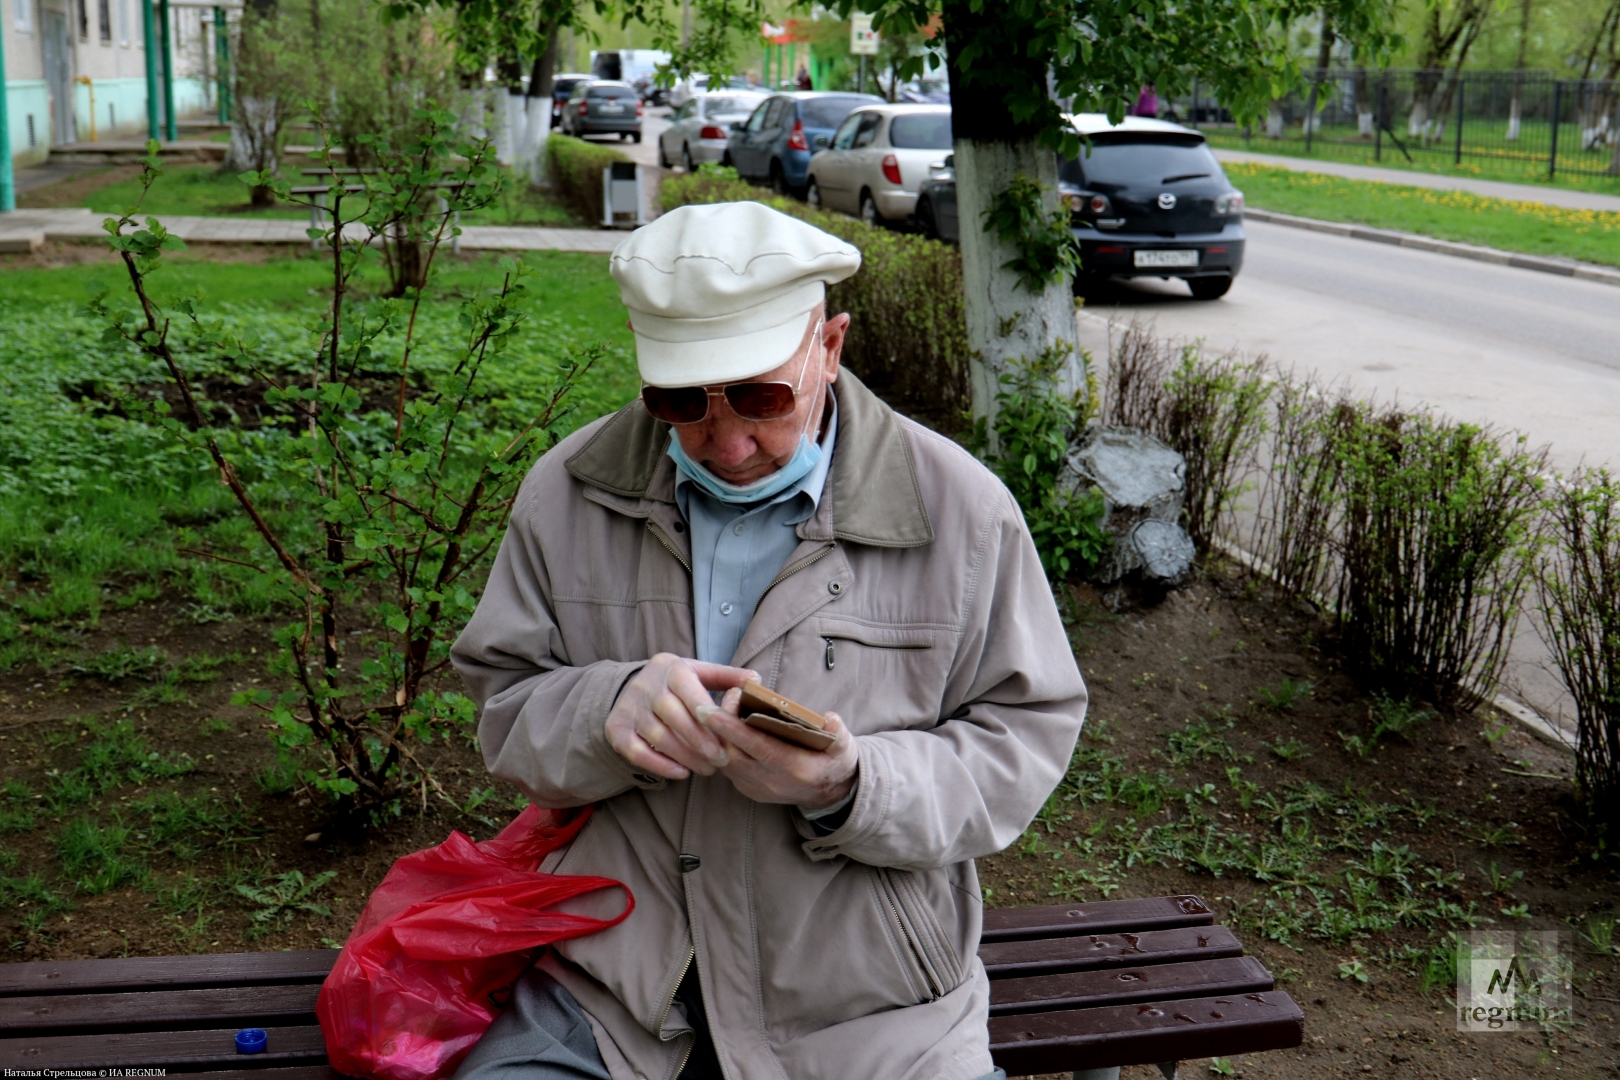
1495,189
26,230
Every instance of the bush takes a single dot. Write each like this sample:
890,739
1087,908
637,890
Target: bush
908,335
574,167
1577,584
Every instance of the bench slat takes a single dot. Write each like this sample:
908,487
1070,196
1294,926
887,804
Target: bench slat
1098,917
154,1010
1146,1033
137,972
1126,986
159,1049
1009,959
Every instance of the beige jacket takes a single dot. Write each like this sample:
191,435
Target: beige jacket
915,607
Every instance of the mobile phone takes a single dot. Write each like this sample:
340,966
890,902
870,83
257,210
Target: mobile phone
770,712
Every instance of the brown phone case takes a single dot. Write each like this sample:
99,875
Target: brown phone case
785,718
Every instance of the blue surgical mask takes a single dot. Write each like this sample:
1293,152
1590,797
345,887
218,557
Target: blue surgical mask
804,460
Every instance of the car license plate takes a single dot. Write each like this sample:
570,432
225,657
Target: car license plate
1176,259
610,108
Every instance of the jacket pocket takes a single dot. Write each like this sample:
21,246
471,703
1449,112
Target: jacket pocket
841,634
923,944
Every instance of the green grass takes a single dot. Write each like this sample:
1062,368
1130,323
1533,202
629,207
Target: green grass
208,191
1528,227
1480,161
92,500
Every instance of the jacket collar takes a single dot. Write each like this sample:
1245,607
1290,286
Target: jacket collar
872,497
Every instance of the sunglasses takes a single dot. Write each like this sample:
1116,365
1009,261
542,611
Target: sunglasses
749,400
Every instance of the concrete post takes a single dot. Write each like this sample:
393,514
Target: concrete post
149,37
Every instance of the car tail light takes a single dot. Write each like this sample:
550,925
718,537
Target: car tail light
1110,249
796,140
584,109
1216,251
1081,203
638,108
710,131
1230,203
891,169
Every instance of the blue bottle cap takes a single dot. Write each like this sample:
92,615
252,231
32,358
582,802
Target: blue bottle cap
251,1041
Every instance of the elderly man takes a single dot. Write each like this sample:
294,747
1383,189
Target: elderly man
799,914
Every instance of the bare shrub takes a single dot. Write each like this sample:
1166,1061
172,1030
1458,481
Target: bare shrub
1437,543
1578,583
1211,410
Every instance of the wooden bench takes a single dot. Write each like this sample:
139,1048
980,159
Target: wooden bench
1078,987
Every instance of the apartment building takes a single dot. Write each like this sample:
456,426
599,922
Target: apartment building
75,70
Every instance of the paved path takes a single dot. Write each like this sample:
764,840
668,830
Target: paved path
1496,189
25,230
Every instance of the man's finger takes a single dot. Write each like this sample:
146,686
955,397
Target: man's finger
681,720
675,735
719,676
756,744
635,750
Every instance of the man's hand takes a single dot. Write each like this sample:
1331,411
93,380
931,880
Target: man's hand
654,723
771,770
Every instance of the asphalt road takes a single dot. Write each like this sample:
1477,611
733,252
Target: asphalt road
1518,349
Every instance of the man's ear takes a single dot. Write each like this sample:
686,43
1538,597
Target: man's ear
833,333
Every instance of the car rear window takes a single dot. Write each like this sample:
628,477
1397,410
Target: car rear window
610,92
565,86
1125,159
829,112
724,105
921,132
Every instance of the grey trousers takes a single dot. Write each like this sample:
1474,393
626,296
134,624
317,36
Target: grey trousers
545,1035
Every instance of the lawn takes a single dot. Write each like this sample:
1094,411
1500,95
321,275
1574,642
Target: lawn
1525,163
1529,227
209,191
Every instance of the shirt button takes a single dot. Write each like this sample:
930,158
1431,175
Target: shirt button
725,608
739,529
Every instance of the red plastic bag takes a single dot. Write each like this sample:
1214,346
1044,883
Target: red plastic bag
424,972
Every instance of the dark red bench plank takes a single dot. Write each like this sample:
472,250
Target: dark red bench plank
1098,917
160,1049
1013,959
1146,1033
155,1010
1125,986
165,972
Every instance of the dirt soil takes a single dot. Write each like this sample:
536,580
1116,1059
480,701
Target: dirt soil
1150,670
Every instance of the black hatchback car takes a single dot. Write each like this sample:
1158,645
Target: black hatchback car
1145,198
1148,199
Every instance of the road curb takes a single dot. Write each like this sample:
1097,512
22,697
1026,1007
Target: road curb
1603,275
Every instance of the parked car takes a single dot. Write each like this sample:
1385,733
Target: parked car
877,159
689,88
600,107
1146,199
935,214
697,131
775,144
562,88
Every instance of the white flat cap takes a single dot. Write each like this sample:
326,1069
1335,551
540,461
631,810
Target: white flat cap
719,292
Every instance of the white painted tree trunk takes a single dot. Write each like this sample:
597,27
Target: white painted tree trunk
1005,322
1418,124
253,135
537,128
1274,121
1514,112
1364,124
508,124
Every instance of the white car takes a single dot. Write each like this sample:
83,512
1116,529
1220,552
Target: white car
877,158
697,131
686,89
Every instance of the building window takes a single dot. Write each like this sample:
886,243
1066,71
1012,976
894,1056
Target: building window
22,14
104,20
33,140
83,11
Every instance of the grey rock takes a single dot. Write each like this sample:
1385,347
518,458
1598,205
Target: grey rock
1141,480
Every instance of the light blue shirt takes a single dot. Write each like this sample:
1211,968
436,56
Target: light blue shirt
737,551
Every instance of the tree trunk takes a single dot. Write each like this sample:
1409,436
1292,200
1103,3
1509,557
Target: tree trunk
537,114
1004,321
1515,106
1364,105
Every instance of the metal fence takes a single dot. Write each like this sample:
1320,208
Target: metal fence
1531,119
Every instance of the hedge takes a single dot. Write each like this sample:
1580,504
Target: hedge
908,336
574,167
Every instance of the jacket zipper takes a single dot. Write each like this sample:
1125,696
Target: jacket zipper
891,898
663,1014
662,539
793,568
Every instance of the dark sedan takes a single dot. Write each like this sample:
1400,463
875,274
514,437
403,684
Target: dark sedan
1146,199
775,143
603,108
